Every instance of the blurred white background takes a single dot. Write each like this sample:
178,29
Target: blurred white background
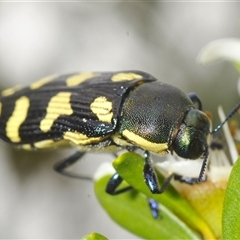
39,39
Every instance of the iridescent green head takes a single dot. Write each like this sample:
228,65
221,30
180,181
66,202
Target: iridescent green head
191,139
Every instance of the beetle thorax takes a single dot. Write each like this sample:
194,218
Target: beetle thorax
150,112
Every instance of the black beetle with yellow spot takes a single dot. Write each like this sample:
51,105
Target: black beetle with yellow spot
107,111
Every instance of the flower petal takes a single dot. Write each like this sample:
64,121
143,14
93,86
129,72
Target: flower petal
222,49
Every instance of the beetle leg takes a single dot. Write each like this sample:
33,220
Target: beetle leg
61,166
189,180
116,180
154,206
113,183
196,100
150,177
149,174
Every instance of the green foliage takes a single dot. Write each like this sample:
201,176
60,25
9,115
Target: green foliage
231,207
94,236
131,209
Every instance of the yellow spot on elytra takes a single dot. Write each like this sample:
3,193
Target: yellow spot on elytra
125,77
119,141
26,147
102,108
58,105
10,91
44,144
79,138
145,144
48,143
42,82
77,79
17,118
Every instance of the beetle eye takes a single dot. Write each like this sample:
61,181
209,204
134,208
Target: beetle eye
196,149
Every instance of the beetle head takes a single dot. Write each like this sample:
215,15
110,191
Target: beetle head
191,139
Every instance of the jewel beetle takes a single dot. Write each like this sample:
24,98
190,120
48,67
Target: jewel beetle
107,111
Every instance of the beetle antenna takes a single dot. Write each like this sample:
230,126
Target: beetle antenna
204,166
234,110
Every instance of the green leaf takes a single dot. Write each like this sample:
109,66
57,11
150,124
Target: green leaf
131,211
130,167
94,236
231,206
237,66
223,49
